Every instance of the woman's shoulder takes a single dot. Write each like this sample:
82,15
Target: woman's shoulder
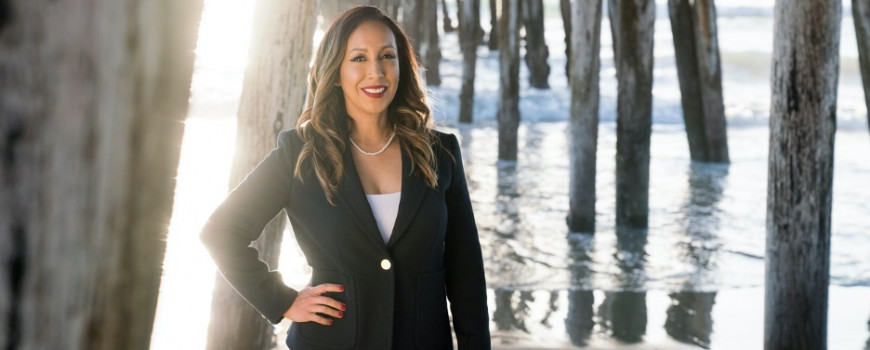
290,139
445,139
446,147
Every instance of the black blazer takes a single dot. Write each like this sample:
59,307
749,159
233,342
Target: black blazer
395,292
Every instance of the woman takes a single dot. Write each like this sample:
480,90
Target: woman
378,202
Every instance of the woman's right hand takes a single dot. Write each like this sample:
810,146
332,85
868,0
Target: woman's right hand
311,305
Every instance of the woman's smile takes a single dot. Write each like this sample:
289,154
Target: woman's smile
375,91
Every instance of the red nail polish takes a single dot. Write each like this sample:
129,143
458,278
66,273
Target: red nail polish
331,322
343,307
340,314
341,288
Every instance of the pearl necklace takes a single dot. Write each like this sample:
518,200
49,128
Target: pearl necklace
372,154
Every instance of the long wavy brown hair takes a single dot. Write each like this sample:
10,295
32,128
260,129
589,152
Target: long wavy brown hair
324,125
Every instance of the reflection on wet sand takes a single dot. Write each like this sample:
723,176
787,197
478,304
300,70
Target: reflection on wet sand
509,316
867,345
701,215
622,314
579,321
690,317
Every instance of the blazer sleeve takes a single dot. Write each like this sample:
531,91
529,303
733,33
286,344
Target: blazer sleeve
240,219
466,284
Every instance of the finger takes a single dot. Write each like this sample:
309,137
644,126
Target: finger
322,320
335,304
326,310
328,287
308,290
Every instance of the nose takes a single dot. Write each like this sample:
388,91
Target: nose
376,69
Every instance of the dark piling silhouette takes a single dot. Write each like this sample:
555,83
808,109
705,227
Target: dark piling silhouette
696,46
634,110
509,87
584,66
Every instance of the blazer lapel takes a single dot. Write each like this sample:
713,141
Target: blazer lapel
413,192
352,196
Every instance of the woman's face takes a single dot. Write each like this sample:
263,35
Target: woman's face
369,73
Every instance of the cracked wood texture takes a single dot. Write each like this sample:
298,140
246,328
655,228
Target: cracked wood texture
272,98
800,172
92,107
634,29
696,47
509,76
585,64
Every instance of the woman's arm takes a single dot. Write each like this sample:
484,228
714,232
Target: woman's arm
240,219
466,285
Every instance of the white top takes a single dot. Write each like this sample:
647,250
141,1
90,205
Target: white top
385,207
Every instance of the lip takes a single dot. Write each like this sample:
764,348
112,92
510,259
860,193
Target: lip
383,90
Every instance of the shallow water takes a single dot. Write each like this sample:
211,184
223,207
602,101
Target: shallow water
706,221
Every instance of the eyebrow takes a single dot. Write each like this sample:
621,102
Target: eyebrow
388,46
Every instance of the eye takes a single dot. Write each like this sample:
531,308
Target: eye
389,56
359,58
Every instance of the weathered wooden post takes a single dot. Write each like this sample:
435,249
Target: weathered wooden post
634,111
478,30
412,22
565,11
861,17
93,97
696,47
536,47
446,23
470,21
800,173
416,25
613,17
585,68
509,87
493,24
271,101
422,31
431,49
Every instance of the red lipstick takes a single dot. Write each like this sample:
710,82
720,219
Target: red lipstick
375,91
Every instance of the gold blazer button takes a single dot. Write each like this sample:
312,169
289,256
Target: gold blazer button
385,264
